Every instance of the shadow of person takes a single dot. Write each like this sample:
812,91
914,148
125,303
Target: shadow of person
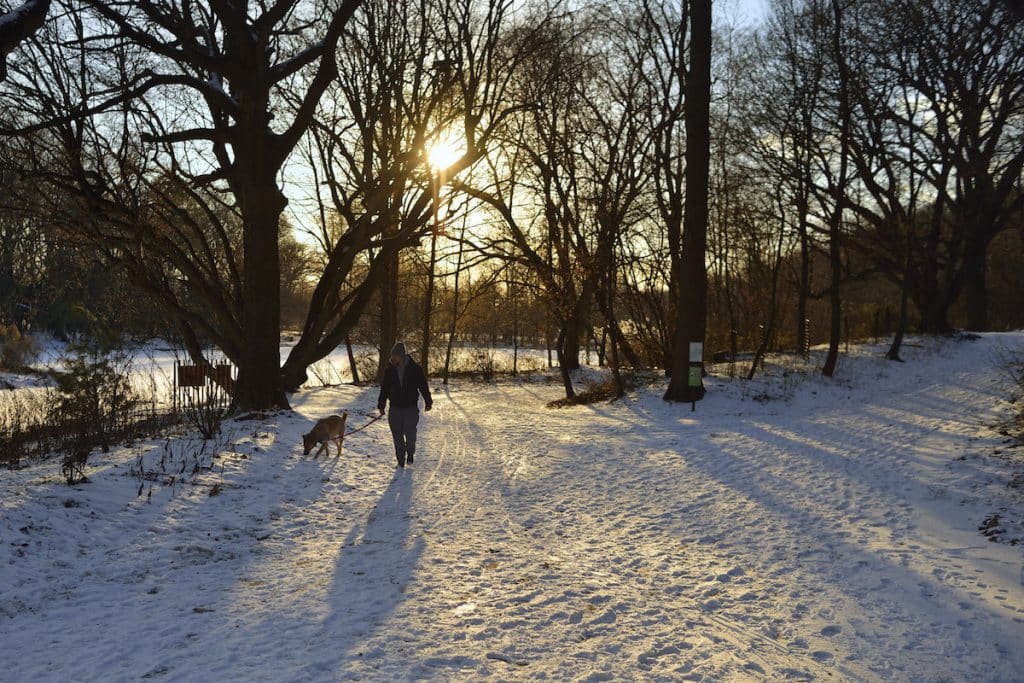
376,563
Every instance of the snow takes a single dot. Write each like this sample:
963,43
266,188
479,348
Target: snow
153,363
791,528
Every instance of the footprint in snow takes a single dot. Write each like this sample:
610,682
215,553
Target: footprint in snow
832,630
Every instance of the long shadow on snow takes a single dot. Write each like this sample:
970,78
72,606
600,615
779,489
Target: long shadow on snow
768,492
377,561
692,442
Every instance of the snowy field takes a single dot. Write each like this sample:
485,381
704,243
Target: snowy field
152,364
792,528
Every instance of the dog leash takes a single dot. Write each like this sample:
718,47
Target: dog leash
364,426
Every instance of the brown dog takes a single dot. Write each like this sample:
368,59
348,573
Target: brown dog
324,432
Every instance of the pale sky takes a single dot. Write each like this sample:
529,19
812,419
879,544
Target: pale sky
750,11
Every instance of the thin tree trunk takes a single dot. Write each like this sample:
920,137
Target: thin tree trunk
612,323
351,360
428,305
836,219
901,325
452,329
388,313
570,392
769,330
515,321
804,285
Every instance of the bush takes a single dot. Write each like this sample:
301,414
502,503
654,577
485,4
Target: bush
366,365
484,359
17,351
24,430
325,372
204,408
95,401
603,390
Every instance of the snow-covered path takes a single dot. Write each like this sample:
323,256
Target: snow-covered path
825,537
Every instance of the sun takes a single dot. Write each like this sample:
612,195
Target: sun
443,154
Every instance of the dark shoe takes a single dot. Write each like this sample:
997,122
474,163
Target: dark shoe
409,459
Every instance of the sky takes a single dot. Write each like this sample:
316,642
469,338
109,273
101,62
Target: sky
752,11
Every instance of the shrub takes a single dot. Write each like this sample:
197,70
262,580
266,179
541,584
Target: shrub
95,401
603,390
325,372
17,351
204,408
24,430
484,359
366,365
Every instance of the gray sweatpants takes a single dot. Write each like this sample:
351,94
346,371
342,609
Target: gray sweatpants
403,423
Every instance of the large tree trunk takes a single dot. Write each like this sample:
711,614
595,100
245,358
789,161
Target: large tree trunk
261,201
975,292
926,292
934,313
569,349
259,385
691,316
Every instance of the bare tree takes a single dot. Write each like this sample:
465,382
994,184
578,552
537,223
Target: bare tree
228,66
446,67
536,189
612,167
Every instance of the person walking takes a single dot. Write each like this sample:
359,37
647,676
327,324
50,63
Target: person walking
401,384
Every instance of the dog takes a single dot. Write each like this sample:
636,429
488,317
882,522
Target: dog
325,431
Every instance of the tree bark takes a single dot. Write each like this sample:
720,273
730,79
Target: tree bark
691,316
901,325
253,179
388,312
836,219
351,360
259,385
428,305
804,284
563,370
975,292
453,328
569,349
